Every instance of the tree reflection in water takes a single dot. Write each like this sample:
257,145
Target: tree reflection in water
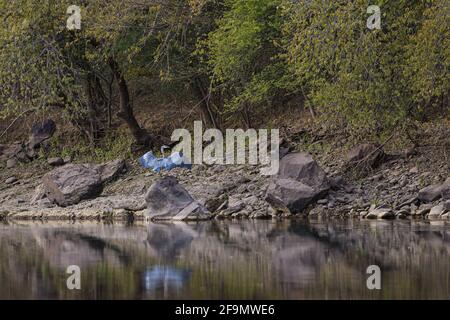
226,260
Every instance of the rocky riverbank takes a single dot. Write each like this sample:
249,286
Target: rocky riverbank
395,186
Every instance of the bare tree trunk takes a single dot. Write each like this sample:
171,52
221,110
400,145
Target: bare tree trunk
205,107
246,116
142,137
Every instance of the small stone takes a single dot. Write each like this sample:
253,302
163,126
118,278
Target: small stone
44,203
57,161
447,205
11,180
423,210
406,208
402,212
39,194
381,213
408,202
322,201
414,170
259,215
436,211
11,163
401,216
362,214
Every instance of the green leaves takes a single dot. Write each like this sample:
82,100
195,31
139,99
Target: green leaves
243,52
362,79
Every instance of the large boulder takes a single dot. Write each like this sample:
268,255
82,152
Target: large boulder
367,155
300,182
111,170
168,200
435,192
69,184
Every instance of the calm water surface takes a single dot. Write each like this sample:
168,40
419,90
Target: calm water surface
226,260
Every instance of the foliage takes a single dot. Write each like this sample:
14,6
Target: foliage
248,54
243,52
429,59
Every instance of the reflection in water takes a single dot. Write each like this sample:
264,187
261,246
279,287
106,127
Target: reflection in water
166,279
226,260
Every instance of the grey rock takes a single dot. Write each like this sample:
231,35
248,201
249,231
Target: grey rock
168,200
300,182
402,212
11,180
337,183
39,194
430,193
381,213
215,203
445,192
447,205
250,200
71,183
363,214
423,209
111,170
260,214
407,202
44,203
11,163
371,155
401,215
435,192
294,195
55,162
234,205
301,167
436,211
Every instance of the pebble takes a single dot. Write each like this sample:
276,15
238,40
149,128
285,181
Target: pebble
11,163
11,180
57,161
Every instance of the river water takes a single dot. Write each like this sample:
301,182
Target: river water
291,259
